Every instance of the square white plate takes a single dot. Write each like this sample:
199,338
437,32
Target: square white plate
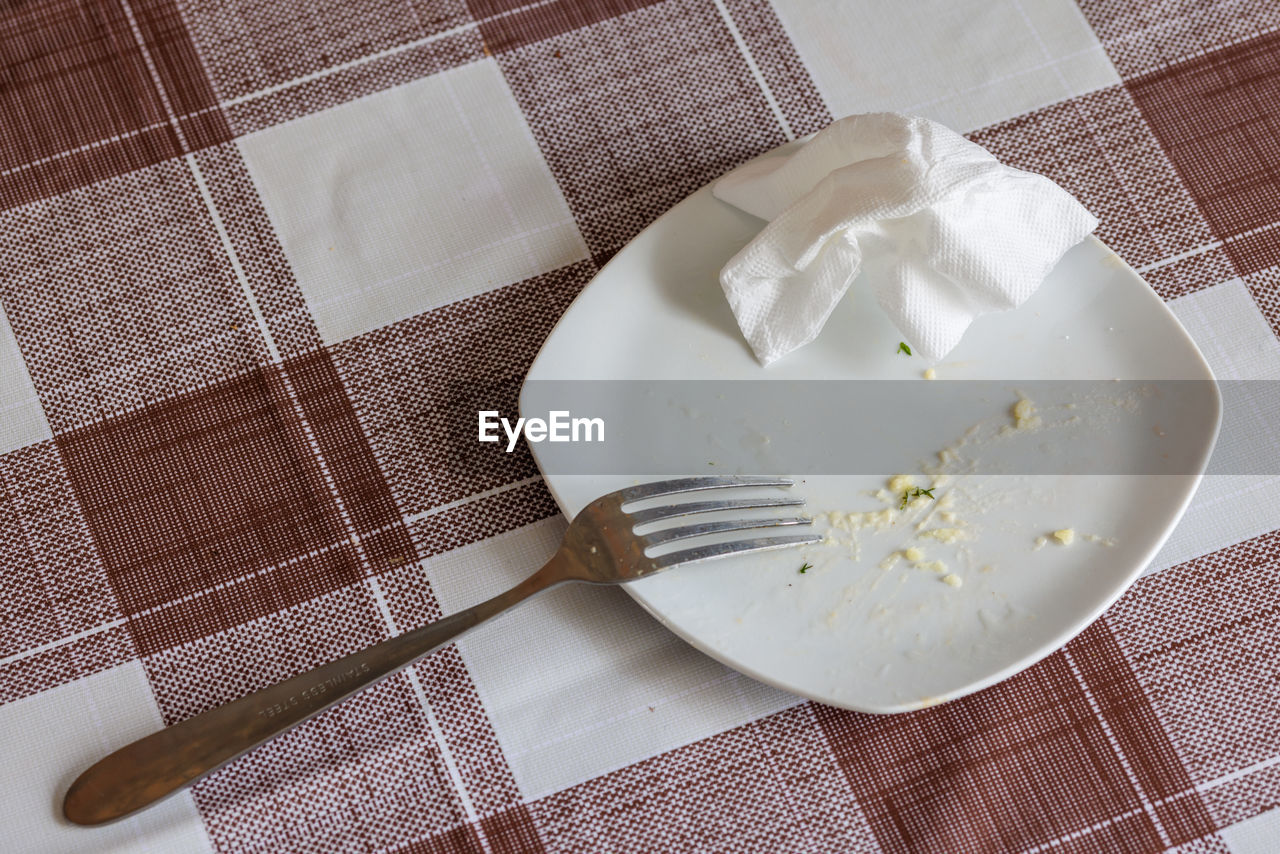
848,632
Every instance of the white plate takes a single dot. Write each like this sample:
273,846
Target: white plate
847,632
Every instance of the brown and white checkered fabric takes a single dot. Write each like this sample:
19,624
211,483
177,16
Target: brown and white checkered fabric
231,450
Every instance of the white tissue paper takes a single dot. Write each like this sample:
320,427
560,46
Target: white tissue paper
947,233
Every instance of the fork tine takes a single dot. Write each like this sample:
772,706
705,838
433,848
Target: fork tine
669,511
716,550
693,484
666,535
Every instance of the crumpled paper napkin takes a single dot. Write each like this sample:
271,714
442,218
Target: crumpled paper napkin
946,231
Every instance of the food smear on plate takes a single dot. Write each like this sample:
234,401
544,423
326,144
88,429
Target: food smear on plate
1024,416
908,502
931,521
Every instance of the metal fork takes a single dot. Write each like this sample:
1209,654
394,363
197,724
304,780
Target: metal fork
600,547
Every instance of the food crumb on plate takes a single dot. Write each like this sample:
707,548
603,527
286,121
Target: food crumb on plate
1024,414
900,483
946,535
1066,536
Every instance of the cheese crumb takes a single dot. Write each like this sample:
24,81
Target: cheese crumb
1024,414
1065,536
953,580
935,565
930,374
880,519
900,483
913,554
852,522
946,535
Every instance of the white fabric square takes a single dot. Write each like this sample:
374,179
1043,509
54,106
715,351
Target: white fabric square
1018,56
411,198
1255,835
1238,343
52,737
22,420
594,683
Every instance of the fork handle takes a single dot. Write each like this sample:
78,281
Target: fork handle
160,764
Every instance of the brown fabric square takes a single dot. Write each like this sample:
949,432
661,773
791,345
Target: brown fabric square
320,92
218,506
53,585
1218,117
448,689
419,383
769,785
1139,734
622,154
1021,764
178,71
459,840
94,89
1140,37
68,661
1201,637
208,671
783,70
1265,287
508,24
123,293
511,831
1099,148
348,464
482,518
249,45
363,776
257,248
1214,844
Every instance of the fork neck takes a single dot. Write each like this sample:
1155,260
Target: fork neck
555,571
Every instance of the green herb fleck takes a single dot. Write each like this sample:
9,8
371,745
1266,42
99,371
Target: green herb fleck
903,348
807,566
908,494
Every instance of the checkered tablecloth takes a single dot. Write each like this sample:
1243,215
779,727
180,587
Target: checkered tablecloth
257,257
